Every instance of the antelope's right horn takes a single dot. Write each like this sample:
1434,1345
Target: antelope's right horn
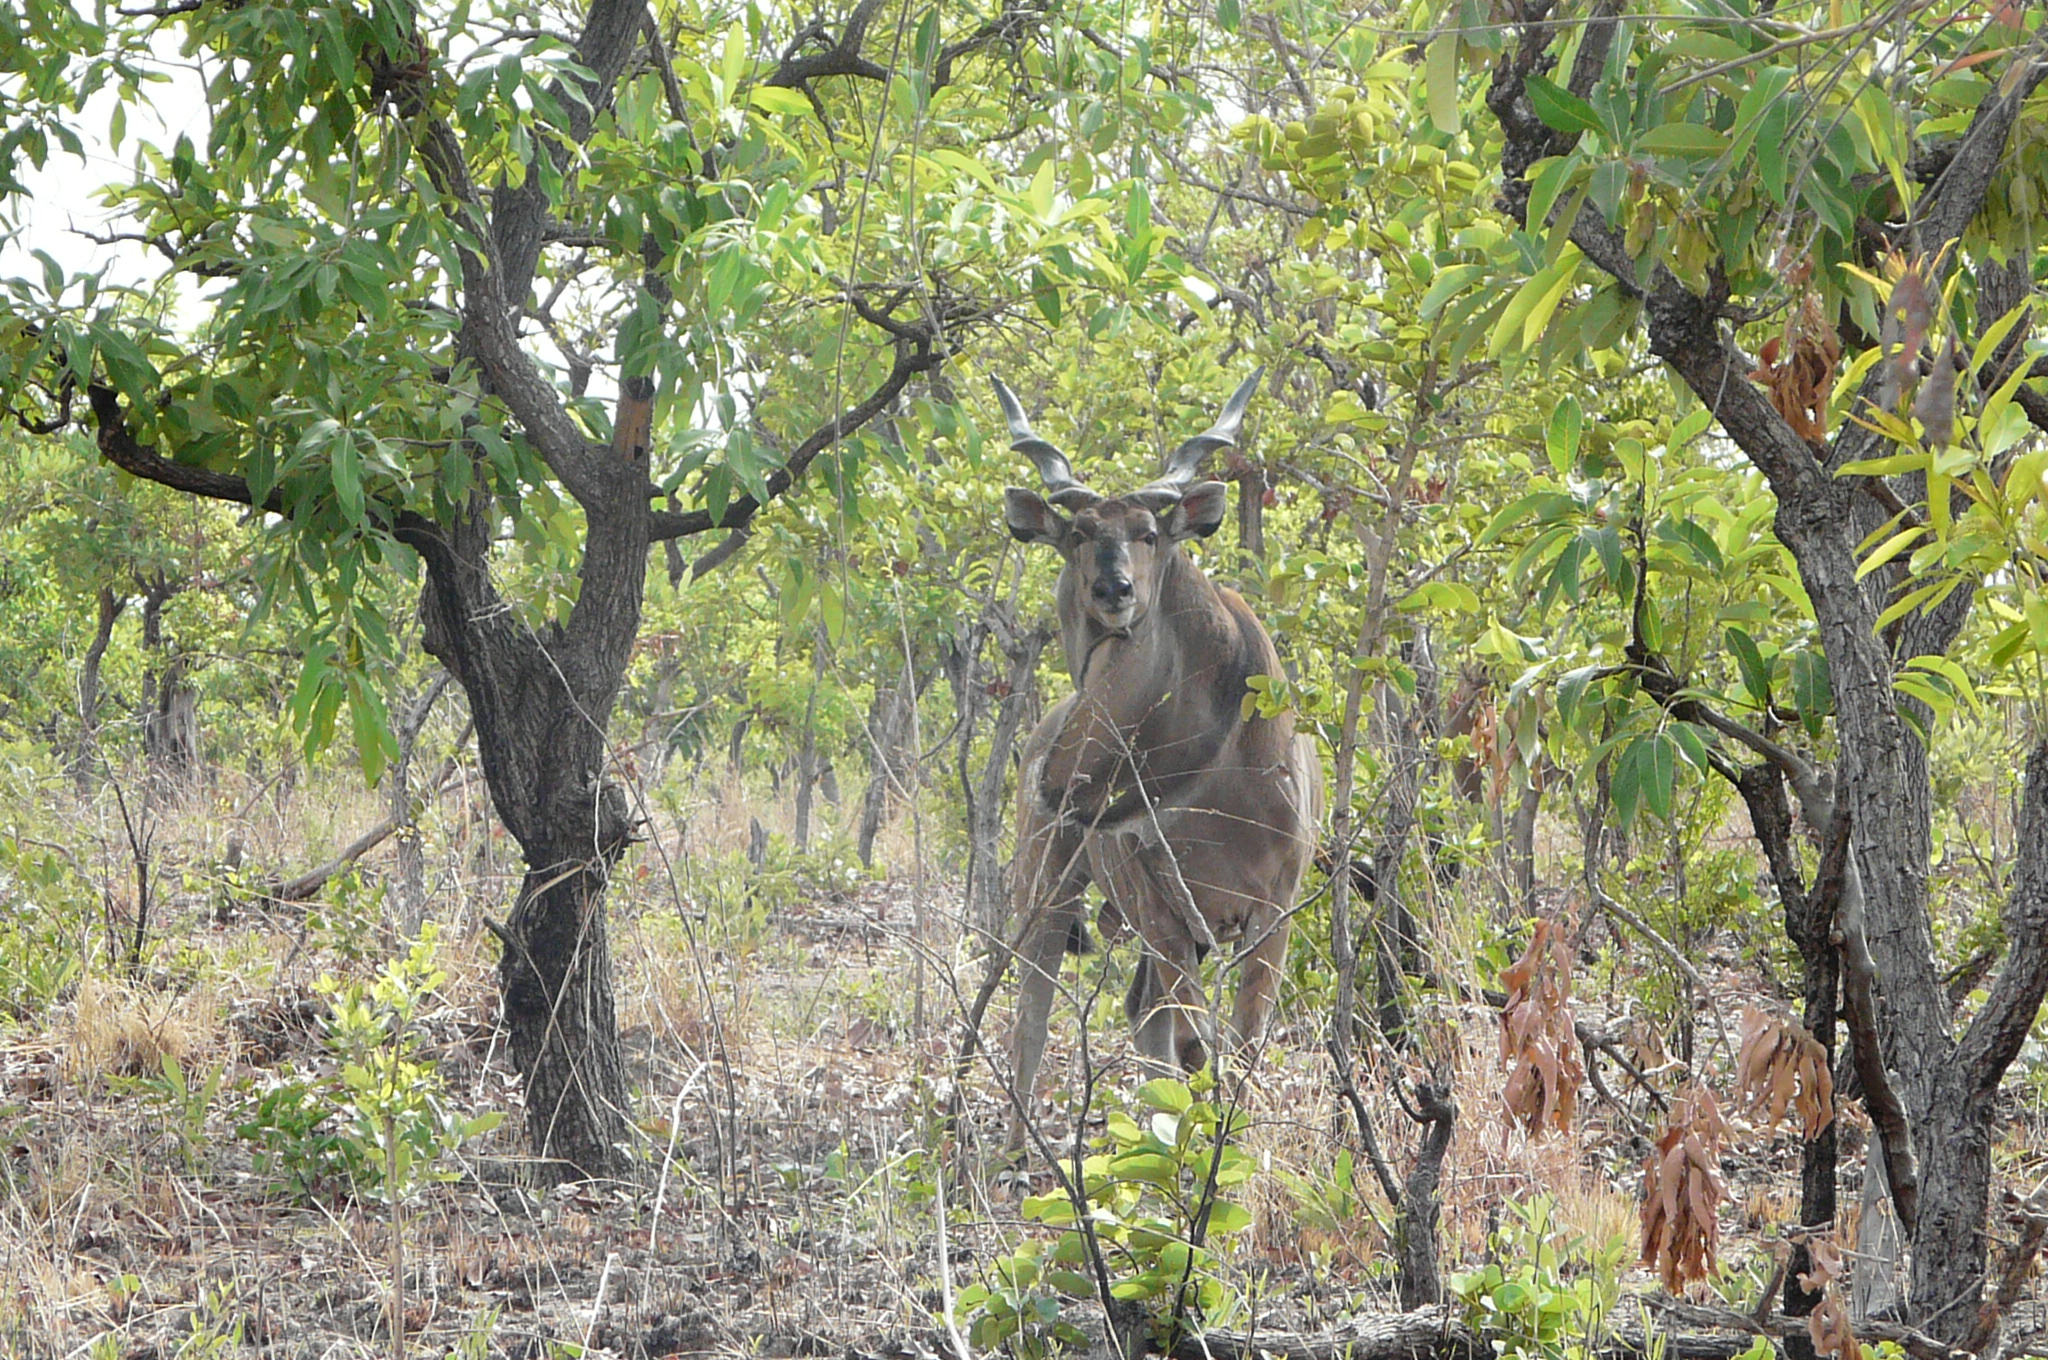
1063,488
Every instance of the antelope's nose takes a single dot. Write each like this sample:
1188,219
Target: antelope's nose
1112,590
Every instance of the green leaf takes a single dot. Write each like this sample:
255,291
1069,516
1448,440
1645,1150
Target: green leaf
1756,676
1890,465
1449,596
1150,1168
1559,107
1531,307
1697,542
1167,1094
1561,436
1956,678
1626,784
1441,73
732,62
1890,548
1225,1217
1682,139
1447,285
775,99
1926,597
1811,694
53,274
1766,88
1621,575
1692,427
1660,774
1692,746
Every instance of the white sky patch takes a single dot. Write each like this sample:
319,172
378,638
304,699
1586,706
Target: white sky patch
63,211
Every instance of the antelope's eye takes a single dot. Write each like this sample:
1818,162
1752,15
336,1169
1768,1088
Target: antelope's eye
1149,536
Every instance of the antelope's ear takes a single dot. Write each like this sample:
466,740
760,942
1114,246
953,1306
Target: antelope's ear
1030,519
1200,512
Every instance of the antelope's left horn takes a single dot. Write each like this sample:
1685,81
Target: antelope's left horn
1184,462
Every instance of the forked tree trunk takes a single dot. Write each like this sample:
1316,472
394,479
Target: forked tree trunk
1948,1084
541,700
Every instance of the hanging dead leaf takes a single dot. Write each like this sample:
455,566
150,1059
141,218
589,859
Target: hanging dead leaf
1539,1044
1823,1264
1935,407
1797,368
1683,1190
1781,1067
1908,319
1828,1325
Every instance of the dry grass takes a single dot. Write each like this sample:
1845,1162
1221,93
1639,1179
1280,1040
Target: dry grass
789,1108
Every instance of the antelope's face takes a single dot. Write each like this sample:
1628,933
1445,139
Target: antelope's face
1116,550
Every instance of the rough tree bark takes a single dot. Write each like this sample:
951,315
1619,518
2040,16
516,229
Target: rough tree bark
170,707
1881,779
888,728
1809,920
1419,1282
1016,691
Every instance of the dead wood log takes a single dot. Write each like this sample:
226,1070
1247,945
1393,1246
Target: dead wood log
1440,1333
1426,1334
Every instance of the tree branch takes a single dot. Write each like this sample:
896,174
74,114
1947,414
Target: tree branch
913,357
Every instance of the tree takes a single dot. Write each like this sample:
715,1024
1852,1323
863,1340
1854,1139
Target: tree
1717,181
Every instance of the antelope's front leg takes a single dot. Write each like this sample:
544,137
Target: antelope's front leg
1048,878
1261,959
1086,764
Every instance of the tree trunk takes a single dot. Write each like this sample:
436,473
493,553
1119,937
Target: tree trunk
170,708
1809,922
1419,1281
1251,513
1953,1134
406,903
1948,1087
807,754
542,700
87,754
888,771
988,904
1411,756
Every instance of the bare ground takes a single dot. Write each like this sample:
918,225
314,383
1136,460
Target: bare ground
800,1193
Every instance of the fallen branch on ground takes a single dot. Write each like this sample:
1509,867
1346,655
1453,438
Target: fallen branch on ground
307,886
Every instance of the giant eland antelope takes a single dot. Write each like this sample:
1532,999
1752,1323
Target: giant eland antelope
1196,821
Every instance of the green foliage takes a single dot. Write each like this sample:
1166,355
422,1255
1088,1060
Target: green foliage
48,908
1330,1202
1547,1293
380,1124
1150,1199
